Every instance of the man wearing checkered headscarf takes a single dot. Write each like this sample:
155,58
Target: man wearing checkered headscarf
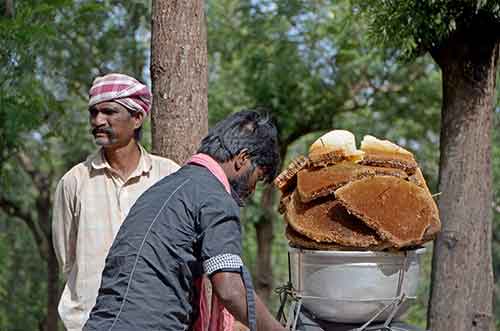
94,197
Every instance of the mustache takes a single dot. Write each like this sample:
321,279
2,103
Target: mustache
104,130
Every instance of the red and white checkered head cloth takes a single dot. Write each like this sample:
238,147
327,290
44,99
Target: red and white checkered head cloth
123,89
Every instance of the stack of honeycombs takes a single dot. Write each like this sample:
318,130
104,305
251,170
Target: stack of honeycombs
342,198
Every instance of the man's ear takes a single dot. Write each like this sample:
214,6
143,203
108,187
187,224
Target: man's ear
138,118
240,159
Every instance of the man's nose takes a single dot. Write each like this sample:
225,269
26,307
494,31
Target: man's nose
98,119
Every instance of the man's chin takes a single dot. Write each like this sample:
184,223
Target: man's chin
102,141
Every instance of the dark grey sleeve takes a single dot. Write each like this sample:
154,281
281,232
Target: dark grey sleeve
220,235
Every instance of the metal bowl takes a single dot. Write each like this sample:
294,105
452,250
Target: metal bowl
353,286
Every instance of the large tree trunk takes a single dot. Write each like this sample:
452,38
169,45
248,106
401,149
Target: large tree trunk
265,235
179,77
9,8
462,277
264,230
179,73
52,317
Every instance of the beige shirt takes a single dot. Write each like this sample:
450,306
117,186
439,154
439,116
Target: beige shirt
90,204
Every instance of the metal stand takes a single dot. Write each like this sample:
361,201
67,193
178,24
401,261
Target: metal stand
288,295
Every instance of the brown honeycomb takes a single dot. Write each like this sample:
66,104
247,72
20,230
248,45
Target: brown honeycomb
401,212
287,180
328,221
320,182
300,241
372,199
390,160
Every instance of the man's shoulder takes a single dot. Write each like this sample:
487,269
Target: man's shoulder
79,170
209,187
163,163
76,175
199,178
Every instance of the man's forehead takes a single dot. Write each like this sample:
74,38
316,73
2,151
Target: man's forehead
107,105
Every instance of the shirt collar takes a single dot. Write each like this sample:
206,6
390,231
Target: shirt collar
98,161
213,166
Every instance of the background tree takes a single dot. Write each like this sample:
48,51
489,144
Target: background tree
179,77
463,38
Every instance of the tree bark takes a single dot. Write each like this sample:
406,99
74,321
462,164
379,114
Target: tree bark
179,77
52,316
50,322
462,276
9,8
265,235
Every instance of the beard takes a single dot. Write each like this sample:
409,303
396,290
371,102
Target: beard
241,188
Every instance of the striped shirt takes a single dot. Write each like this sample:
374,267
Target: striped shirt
90,204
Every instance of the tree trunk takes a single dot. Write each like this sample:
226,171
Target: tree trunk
179,77
462,276
50,322
265,235
52,292
9,8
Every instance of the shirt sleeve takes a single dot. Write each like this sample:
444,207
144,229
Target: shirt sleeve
64,229
221,235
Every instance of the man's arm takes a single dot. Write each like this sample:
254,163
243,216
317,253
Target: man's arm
231,291
63,227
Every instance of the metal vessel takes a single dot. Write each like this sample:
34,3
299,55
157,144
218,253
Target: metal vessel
355,286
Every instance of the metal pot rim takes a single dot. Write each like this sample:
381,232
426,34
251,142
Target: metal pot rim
417,251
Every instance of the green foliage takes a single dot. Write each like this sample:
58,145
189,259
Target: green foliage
415,27
23,101
22,279
309,65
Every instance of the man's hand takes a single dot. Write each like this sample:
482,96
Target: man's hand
231,291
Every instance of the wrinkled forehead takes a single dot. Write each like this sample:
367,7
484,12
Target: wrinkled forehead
107,105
